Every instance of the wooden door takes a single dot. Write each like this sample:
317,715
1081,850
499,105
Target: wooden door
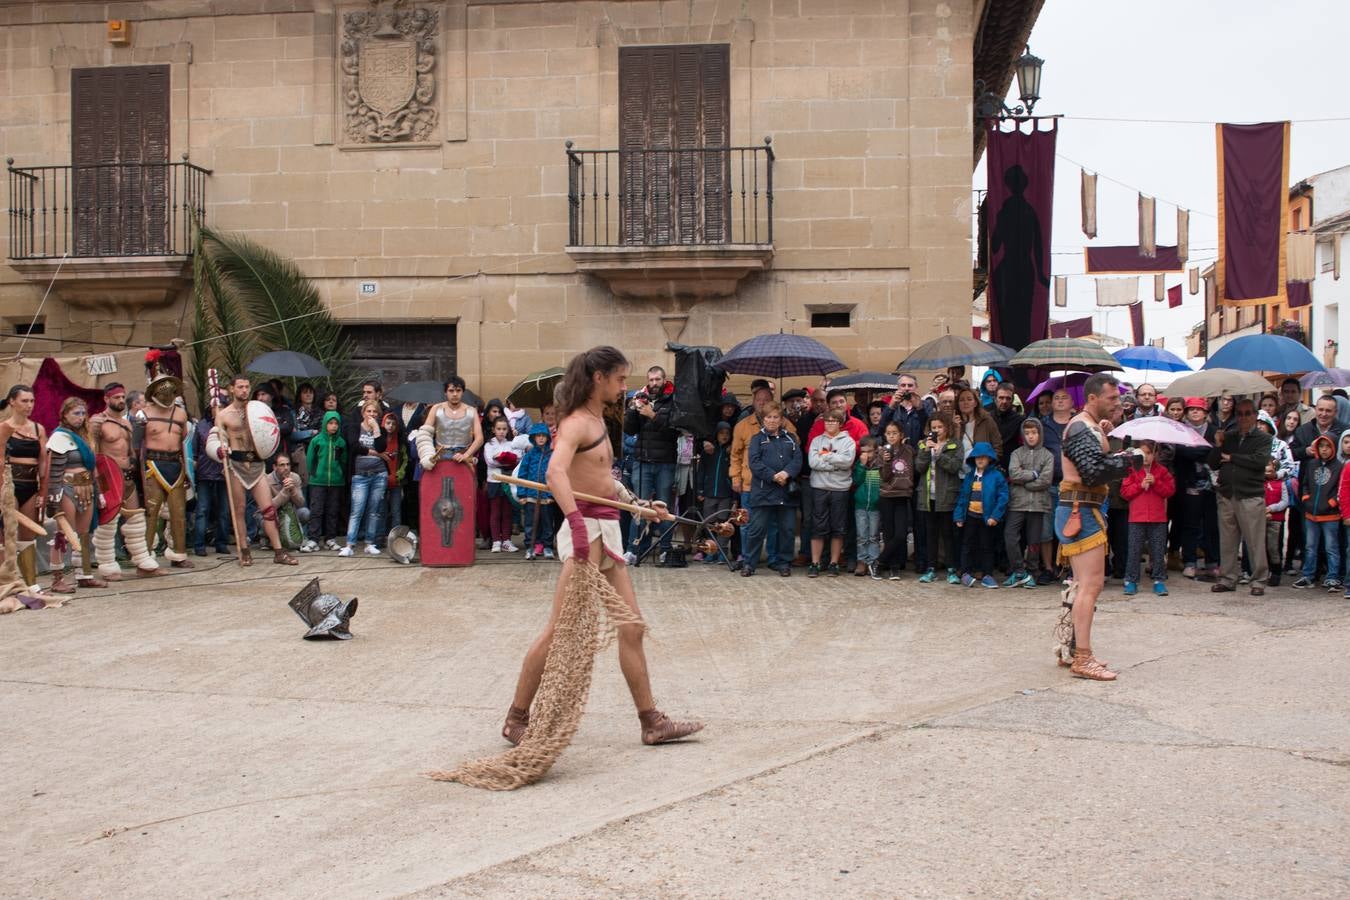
674,103
120,184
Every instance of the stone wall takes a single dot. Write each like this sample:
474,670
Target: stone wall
867,102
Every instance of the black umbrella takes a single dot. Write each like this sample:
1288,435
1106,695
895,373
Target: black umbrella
427,392
290,364
780,356
536,389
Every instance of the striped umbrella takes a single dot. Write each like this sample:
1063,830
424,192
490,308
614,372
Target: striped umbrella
955,350
780,356
1066,353
863,381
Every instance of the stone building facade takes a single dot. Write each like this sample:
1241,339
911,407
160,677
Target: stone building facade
411,157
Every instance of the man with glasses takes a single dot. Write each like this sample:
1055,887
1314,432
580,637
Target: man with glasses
1241,456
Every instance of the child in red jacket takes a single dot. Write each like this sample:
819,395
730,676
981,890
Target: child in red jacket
1146,489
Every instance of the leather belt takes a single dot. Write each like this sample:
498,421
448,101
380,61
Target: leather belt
166,455
243,456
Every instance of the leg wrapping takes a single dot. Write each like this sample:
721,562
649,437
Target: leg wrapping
133,533
269,513
86,554
27,563
176,551
105,549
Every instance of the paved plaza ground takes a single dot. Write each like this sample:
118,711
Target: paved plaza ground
178,738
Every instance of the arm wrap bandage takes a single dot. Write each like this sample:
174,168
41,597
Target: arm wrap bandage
1083,447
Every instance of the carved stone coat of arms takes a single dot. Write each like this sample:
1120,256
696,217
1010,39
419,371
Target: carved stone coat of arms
388,74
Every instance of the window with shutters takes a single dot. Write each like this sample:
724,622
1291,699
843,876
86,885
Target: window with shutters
120,181
674,130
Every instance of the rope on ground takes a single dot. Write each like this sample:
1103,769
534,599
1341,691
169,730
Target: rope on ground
587,622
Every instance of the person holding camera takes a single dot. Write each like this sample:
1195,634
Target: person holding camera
648,418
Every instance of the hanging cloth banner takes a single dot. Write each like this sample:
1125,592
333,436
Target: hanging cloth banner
1302,257
1074,328
1159,287
1157,342
1336,257
1089,193
1021,199
1195,280
1061,291
1183,235
1148,227
1137,322
1174,296
1126,260
1116,291
1299,294
1253,204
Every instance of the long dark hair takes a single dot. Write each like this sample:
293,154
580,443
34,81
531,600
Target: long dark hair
14,393
579,379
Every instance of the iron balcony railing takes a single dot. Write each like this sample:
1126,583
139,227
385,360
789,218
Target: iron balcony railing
701,197
104,209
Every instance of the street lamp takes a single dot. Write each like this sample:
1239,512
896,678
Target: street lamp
989,105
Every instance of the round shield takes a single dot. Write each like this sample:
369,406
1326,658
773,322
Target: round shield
402,544
262,424
109,486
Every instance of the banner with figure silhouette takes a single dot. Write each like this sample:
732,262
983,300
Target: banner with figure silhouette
1021,198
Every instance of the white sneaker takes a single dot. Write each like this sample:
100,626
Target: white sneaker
372,550
330,544
508,547
630,558
308,547
346,551
496,546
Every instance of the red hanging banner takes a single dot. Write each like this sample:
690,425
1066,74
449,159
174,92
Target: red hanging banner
1137,322
1021,169
1174,297
1253,213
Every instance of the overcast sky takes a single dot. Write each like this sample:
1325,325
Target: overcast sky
1208,60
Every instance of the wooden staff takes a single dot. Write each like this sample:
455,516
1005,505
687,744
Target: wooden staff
616,504
240,534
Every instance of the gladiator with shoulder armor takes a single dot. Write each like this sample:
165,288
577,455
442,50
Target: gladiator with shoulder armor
231,441
112,435
164,465
1089,469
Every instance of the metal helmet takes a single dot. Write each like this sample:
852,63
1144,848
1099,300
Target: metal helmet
327,616
164,390
402,544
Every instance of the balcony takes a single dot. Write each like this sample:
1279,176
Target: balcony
108,235
689,224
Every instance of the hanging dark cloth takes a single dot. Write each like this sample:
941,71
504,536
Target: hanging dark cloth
50,390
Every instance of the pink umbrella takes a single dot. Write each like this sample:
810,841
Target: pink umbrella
1160,429
1072,382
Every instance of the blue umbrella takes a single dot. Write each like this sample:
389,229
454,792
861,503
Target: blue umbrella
780,356
1273,353
1154,359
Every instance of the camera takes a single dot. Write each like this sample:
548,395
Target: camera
932,436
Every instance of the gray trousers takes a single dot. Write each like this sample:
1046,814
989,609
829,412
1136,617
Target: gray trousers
1155,534
1242,520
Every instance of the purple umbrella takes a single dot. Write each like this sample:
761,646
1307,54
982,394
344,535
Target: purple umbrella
1160,429
1072,382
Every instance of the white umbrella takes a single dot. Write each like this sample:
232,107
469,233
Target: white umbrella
1160,429
1218,383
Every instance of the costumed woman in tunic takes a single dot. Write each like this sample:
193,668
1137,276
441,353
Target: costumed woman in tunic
72,492
22,443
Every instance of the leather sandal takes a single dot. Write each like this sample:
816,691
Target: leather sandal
1085,665
282,558
517,720
92,581
658,728
246,557
62,586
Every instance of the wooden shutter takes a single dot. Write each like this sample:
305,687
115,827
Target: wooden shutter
673,100
119,148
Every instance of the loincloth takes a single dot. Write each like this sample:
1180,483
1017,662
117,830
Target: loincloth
249,472
606,529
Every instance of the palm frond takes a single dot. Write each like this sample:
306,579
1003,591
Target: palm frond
205,329
279,304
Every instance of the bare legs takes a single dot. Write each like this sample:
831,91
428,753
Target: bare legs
1089,573
818,550
632,658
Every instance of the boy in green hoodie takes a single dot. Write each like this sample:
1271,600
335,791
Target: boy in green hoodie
327,460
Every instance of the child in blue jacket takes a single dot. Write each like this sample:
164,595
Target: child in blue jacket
537,505
979,508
